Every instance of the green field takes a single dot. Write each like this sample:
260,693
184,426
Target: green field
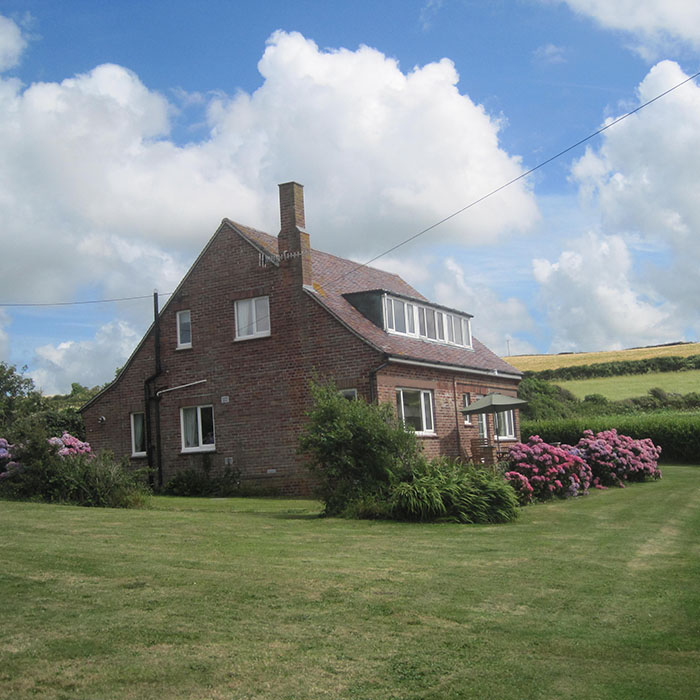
630,385
234,598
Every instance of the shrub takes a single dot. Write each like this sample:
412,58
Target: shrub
355,448
63,470
540,471
199,482
615,458
445,489
678,434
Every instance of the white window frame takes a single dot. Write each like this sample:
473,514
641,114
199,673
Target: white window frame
134,452
426,405
200,446
259,326
180,316
349,394
426,322
466,400
504,420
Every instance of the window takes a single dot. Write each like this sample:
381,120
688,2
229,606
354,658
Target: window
197,425
184,330
349,394
425,322
138,434
415,409
466,400
252,318
504,424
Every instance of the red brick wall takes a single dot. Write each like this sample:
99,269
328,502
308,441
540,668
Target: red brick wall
452,436
265,379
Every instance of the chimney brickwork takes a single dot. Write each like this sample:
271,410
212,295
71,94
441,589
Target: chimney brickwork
293,240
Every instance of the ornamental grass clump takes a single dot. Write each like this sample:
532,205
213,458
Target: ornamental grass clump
448,490
539,471
615,459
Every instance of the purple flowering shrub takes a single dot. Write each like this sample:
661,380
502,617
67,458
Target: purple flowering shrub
616,458
540,471
7,463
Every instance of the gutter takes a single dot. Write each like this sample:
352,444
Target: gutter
456,368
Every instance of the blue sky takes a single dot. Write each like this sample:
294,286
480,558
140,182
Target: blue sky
131,129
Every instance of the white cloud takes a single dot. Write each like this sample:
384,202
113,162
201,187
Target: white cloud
382,154
645,182
655,24
88,362
594,301
95,194
550,54
497,322
12,44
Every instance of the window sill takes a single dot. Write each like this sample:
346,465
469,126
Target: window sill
252,337
426,435
184,347
139,455
195,450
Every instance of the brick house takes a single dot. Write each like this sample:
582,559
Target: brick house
222,377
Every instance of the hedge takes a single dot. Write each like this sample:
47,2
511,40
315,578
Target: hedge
619,367
678,434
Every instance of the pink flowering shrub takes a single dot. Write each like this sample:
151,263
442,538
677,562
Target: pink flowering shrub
68,445
540,471
615,458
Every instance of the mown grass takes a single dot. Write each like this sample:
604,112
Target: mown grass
233,598
631,385
537,363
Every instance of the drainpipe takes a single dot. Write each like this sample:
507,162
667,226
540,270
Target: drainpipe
373,394
152,397
457,415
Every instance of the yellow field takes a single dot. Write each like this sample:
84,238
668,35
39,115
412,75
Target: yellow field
537,363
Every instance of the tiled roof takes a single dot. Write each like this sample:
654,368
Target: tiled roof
334,276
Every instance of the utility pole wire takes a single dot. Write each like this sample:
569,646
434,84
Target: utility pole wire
432,226
516,179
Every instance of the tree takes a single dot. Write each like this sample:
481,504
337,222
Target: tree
18,396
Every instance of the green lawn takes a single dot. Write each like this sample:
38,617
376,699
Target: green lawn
630,385
244,598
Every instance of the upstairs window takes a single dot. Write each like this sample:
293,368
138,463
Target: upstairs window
252,318
406,318
184,330
415,409
197,425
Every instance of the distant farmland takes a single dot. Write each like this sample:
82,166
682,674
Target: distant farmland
631,385
537,363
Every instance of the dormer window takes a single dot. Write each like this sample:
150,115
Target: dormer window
422,321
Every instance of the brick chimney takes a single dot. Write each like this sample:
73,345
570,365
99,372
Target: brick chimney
293,241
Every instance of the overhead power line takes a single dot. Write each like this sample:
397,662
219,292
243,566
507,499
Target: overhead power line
91,301
516,179
425,230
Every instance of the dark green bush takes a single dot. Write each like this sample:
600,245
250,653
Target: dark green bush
355,448
199,482
83,480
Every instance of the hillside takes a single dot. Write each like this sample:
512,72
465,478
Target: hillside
537,363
